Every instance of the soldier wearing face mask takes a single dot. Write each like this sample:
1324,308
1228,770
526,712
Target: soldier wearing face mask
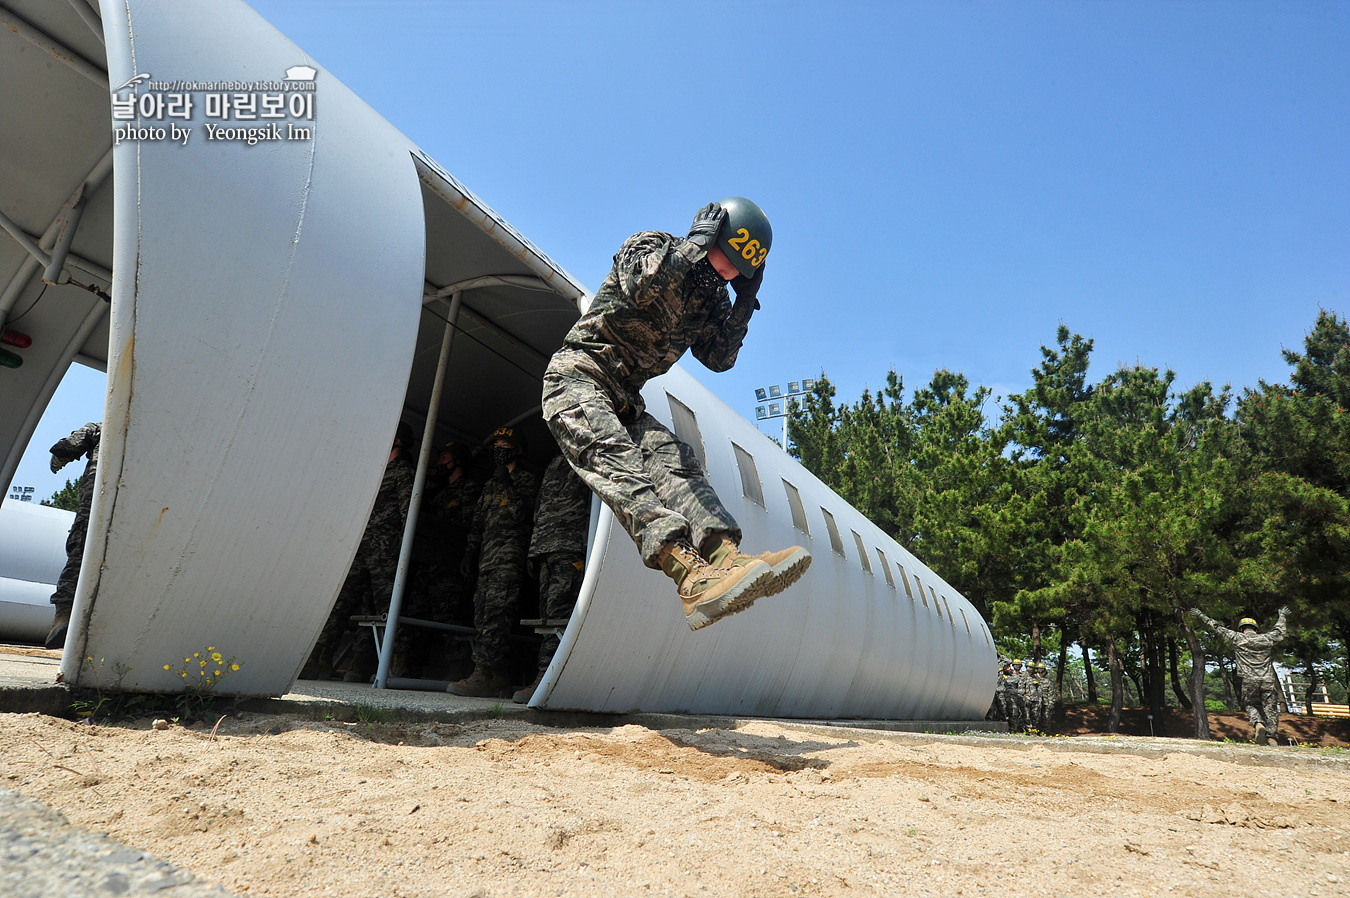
498,542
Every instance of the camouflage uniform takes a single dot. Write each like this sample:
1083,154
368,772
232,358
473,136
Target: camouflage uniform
558,545
81,442
444,594
370,580
1254,651
1035,700
1014,707
498,539
661,298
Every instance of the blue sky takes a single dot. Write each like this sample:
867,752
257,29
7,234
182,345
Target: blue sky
948,181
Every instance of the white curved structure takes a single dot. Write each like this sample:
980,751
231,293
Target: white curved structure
32,554
277,307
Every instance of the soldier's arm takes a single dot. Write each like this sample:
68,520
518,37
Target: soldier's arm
719,343
1278,634
649,265
69,448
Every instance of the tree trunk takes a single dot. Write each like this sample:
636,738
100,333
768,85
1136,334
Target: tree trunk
1087,674
1157,681
1117,686
1173,664
1035,641
1197,680
1312,685
1227,683
1059,678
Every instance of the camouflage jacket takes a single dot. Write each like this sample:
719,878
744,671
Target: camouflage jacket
390,510
1253,651
80,442
452,508
648,312
563,513
501,521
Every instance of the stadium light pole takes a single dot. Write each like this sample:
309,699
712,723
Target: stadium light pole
774,401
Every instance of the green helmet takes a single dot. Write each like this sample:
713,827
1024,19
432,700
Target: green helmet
1247,622
745,235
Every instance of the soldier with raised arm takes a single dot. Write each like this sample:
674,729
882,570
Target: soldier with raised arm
1254,652
666,295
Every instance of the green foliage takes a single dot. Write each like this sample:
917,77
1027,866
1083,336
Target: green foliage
67,498
1099,512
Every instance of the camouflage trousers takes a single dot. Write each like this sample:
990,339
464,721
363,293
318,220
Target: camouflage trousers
1261,698
560,575
1015,708
64,596
438,593
654,484
496,608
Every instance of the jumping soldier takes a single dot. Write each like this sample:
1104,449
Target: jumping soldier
1255,665
663,296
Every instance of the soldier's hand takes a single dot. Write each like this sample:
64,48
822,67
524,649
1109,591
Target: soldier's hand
500,473
747,288
57,464
1195,612
1284,610
707,222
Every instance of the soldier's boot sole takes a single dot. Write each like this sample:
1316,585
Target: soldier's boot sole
787,565
726,599
1261,737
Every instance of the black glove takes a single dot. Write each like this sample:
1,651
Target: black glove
57,464
466,566
747,288
500,474
707,222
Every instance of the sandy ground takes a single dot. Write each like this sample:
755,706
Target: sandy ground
279,806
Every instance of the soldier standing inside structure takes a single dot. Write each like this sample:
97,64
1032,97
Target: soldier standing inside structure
663,296
81,442
450,589
498,542
1255,665
558,551
370,580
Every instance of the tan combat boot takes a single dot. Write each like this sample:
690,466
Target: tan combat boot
523,695
709,593
484,682
788,564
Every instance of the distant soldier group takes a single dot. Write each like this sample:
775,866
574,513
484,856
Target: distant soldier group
1024,696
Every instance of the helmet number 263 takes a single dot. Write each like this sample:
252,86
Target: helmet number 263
751,251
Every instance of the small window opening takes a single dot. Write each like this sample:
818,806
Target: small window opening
686,428
918,584
750,485
965,620
862,553
798,511
886,568
836,542
904,578
936,607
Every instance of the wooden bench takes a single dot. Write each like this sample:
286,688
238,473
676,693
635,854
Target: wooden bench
1322,709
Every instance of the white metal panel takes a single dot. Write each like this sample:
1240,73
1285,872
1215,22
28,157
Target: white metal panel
840,643
32,554
265,306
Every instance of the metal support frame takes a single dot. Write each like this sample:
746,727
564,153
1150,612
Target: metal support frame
41,39
86,188
70,222
415,504
89,16
481,320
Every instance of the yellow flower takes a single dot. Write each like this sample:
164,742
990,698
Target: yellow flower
166,667
196,655
210,648
216,657
186,660
234,667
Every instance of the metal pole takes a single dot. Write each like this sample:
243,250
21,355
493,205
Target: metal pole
415,504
